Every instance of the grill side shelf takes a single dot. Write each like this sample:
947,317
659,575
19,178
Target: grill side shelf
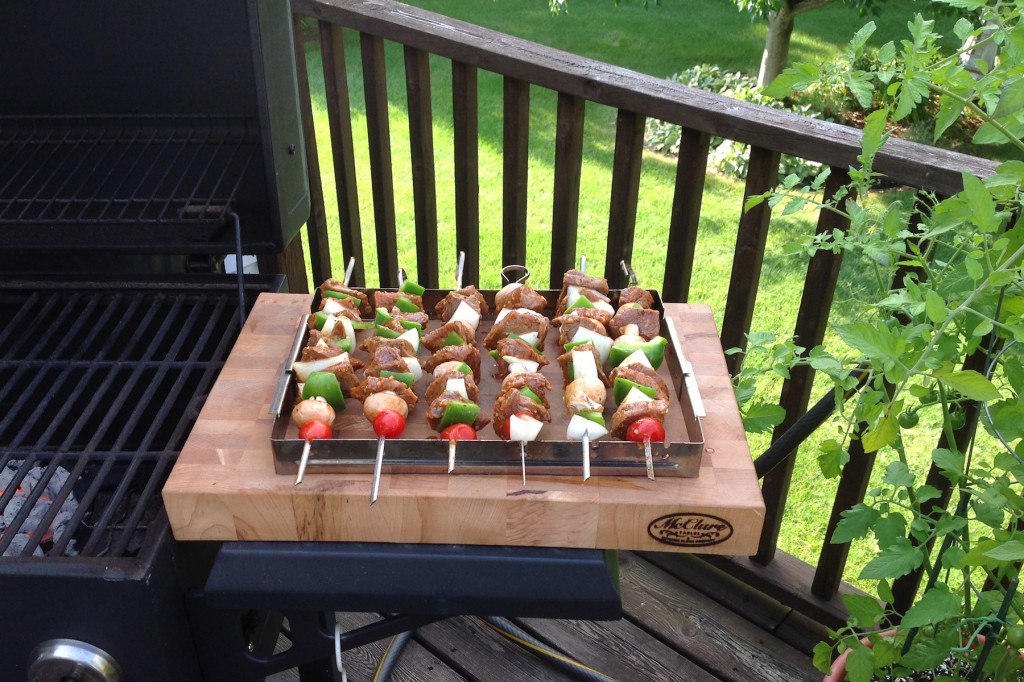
421,451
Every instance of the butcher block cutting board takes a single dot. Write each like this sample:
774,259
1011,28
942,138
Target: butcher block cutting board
223,486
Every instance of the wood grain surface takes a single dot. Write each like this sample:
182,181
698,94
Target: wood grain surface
223,486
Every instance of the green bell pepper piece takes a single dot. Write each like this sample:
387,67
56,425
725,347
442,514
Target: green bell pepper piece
344,344
326,386
411,287
458,412
328,293
525,390
581,302
453,339
622,386
407,378
595,417
411,324
319,319
382,316
406,305
385,332
653,349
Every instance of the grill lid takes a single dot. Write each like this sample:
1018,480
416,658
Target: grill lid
143,131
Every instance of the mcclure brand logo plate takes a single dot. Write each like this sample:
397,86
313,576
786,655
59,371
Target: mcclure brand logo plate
690,530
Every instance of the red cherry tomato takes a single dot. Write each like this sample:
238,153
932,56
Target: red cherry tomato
645,428
507,432
459,432
315,430
388,424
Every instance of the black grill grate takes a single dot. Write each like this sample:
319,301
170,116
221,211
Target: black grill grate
126,170
98,391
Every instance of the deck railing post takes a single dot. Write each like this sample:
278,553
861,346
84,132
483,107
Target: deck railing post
316,224
691,170
762,176
625,191
565,206
515,178
421,151
811,322
332,53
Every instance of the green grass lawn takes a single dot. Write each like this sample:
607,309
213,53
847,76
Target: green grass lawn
660,40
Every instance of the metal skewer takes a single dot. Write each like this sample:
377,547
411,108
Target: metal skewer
376,470
522,456
586,457
648,458
459,268
451,455
586,437
304,458
303,461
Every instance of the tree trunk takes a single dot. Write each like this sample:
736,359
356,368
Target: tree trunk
776,45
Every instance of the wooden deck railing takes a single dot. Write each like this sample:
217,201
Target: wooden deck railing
636,97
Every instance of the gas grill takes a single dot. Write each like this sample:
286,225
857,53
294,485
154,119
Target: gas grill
139,144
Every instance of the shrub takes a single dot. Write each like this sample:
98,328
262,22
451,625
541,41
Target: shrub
726,156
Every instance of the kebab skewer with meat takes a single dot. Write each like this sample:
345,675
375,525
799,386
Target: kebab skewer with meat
386,391
453,395
519,331
325,371
582,333
640,393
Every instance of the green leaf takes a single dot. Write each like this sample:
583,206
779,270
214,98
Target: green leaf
895,561
860,664
832,459
898,475
971,384
884,432
935,307
869,339
1011,550
962,29
947,460
856,523
979,201
865,611
1011,98
926,653
950,109
886,52
935,606
823,656
762,417
974,269
874,132
860,84
860,38
912,91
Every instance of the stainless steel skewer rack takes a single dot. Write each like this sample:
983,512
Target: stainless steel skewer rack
420,450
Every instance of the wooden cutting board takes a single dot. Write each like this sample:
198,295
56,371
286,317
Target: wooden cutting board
223,486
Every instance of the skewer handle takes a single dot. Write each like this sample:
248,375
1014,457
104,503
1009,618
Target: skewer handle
586,457
303,461
451,455
648,458
522,456
630,275
349,268
583,264
459,268
376,470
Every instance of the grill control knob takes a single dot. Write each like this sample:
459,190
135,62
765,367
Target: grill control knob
69,660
